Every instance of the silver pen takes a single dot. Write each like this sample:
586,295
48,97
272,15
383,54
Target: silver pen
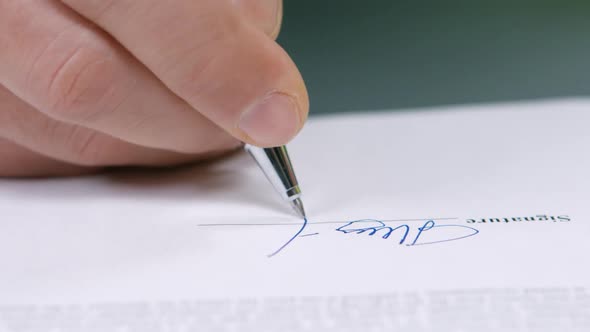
276,165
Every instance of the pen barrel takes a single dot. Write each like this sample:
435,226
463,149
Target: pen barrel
276,166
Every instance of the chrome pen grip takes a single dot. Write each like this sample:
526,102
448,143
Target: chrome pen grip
276,166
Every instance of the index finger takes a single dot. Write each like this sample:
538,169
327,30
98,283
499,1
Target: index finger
208,54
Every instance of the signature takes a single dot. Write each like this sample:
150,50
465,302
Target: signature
408,235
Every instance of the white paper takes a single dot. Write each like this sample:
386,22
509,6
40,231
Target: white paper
198,249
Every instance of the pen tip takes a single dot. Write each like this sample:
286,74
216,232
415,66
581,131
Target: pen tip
298,206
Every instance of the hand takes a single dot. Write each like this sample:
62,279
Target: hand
87,84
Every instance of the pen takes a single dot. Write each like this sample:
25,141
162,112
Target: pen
276,166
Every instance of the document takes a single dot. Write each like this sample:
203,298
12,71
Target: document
464,218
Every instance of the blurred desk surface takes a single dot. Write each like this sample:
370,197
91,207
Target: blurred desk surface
380,54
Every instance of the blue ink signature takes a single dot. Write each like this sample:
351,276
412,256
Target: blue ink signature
376,226
372,227
291,239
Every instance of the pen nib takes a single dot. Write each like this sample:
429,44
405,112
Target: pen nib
298,207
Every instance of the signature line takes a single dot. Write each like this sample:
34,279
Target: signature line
317,222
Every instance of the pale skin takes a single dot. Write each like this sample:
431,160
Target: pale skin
89,84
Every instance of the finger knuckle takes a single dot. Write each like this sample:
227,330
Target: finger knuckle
80,84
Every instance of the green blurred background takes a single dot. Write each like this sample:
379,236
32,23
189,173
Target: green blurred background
376,54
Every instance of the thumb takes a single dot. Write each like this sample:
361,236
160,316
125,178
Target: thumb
211,56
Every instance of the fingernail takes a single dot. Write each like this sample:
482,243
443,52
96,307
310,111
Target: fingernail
276,9
273,121
266,14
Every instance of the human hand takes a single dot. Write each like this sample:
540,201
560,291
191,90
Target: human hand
87,84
